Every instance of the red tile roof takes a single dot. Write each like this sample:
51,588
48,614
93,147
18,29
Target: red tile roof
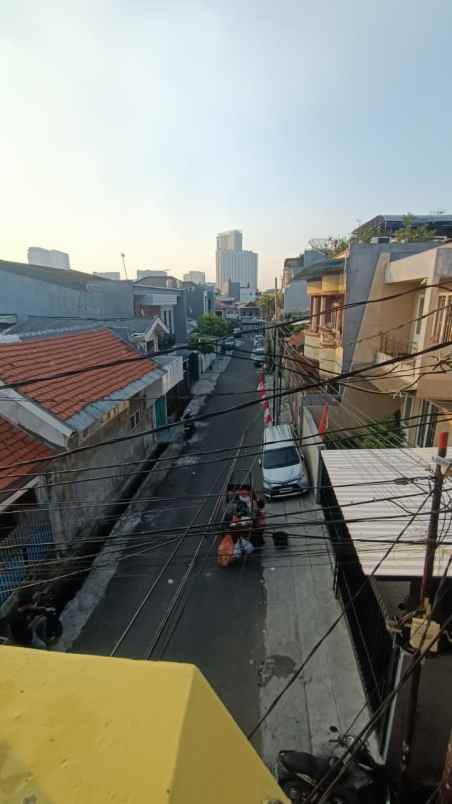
68,395
296,340
16,445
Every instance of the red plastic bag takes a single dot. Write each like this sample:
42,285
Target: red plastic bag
225,554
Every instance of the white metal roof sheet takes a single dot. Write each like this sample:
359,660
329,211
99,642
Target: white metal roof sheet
356,477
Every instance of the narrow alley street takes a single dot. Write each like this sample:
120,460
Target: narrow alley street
219,622
249,627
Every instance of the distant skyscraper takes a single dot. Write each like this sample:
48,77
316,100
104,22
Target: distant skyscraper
230,241
48,259
198,277
234,263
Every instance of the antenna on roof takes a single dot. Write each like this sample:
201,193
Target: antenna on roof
123,257
437,211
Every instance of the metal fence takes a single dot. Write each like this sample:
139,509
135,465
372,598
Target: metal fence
24,545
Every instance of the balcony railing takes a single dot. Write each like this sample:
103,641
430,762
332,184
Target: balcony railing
329,337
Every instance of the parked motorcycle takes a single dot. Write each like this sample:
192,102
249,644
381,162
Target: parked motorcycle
363,780
189,426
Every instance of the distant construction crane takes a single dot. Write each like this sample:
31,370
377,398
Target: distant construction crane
123,257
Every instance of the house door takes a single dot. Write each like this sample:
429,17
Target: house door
160,412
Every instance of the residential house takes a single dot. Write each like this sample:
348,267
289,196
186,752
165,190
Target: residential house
227,307
145,333
53,292
25,530
200,299
169,304
338,290
389,225
326,295
84,407
419,317
295,284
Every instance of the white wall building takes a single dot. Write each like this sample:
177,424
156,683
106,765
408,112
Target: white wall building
239,266
108,274
230,241
198,277
48,258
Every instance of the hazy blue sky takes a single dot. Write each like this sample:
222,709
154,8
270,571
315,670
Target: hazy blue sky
147,127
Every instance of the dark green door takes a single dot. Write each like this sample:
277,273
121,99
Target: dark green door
160,412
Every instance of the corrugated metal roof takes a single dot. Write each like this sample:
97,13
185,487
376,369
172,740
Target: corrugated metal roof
384,519
71,279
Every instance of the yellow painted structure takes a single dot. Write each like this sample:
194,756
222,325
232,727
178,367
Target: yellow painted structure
91,730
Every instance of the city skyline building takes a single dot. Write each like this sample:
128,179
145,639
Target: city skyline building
233,263
198,277
48,258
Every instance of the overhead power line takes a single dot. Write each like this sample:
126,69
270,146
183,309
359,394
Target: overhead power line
191,455
224,411
121,361
296,674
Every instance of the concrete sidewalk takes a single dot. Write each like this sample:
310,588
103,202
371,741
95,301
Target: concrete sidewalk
300,607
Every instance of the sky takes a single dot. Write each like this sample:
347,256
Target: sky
147,127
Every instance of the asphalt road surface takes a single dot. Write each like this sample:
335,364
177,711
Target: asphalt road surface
219,620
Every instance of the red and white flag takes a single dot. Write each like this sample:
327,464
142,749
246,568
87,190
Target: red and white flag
323,423
265,404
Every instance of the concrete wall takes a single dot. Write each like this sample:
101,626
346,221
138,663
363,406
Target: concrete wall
378,318
368,406
197,299
296,297
24,296
312,257
311,449
359,271
76,499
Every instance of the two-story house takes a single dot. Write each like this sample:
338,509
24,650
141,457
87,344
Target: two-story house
169,304
418,317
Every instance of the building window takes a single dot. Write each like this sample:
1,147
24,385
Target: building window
134,419
447,331
439,318
427,425
419,314
407,407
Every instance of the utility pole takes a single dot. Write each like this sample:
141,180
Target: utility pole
425,607
123,257
275,345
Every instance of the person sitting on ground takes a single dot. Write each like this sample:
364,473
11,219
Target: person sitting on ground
27,622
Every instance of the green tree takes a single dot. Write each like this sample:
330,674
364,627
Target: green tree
388,430
336,246
267,302
411,233
210,327
213,325
367,233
